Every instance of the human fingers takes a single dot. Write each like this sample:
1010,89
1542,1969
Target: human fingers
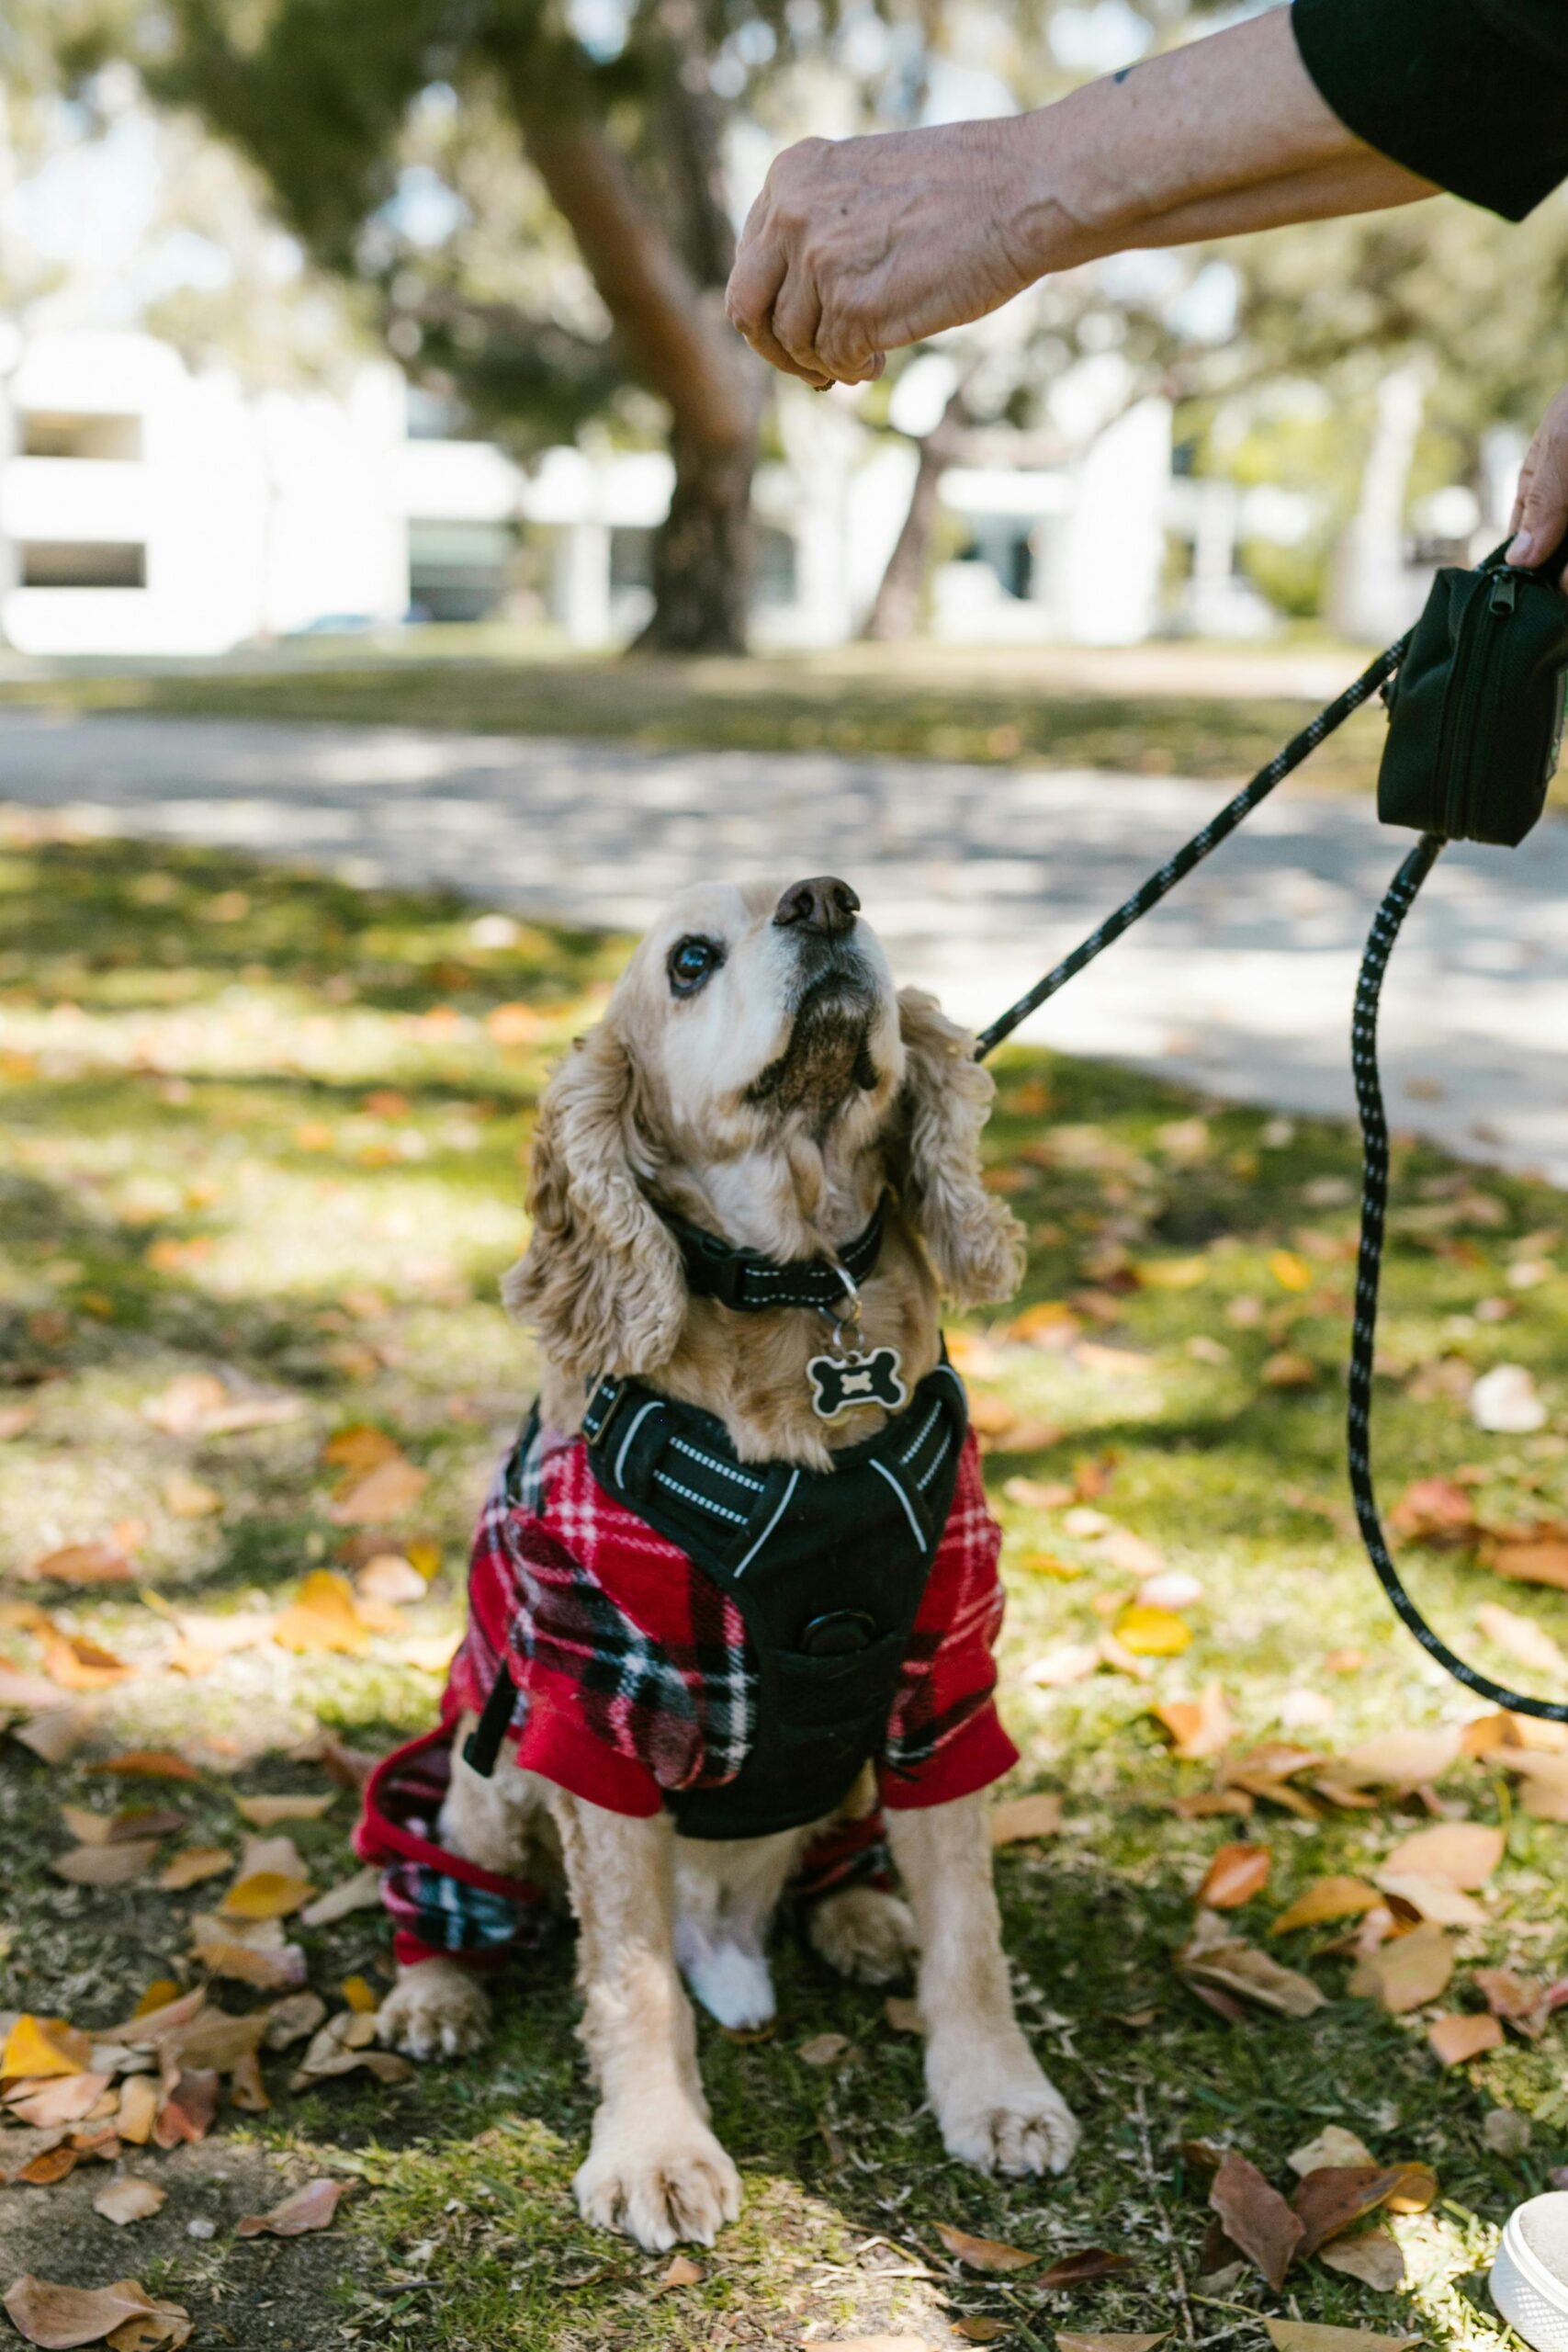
756,281
1540,510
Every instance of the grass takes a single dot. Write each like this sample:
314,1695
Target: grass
270,1125
1148,713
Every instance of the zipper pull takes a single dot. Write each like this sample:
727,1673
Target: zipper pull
1505,593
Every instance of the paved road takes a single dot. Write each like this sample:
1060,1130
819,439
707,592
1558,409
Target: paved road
975,877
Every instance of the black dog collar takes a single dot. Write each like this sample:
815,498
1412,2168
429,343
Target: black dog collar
746,1280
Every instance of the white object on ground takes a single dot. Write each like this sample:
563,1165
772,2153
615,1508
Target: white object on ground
1504,1401
1529,2275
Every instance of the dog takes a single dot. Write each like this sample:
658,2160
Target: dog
756,1083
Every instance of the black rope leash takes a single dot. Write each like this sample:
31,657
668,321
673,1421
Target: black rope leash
1385,931
1191,854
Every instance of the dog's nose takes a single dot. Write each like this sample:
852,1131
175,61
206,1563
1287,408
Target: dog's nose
823,903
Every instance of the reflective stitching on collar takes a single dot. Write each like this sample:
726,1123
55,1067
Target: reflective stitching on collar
938,1458
638,1419
783,1500
915,1444
916,1529
705,1503
724,1469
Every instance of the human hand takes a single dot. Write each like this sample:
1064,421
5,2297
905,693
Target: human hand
1540,510
857,246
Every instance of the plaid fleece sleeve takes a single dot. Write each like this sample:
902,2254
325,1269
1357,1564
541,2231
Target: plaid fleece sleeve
945,1737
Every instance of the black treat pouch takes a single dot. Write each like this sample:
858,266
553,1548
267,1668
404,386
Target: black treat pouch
1475,711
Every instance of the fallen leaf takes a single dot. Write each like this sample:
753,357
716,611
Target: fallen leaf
983,2253
1533,1560
1198,1727
902,2014
393,1487
1333,2146
1523,2002
1065,1663
358,1994
1256,2217
683,2272
265,1812
1079,2269
1067,2340
55,1735
187,2106
80,1563
863,2343
1308,2336
1025,1817
90,1828
1289,1270
1288,1368
138,2108
1372,2257
191,1865
61,2317
265,1894
1521,1639
1401,1759
1455,2040
1337,2197
322,1617
310,2208
290,2020
1216,1957
1335,1897
823,2049
388,1576
1434,1510
147,1764
270,1968
1233,1877
976,2328
360,1893
78,1663
43,2170
107,1865
38,2046
1408,1973
1438,1899
1149,1632
130,2201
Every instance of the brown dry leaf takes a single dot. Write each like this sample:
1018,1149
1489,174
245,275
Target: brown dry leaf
1226,1963
191,1865
902,2014
218,1946
683,2272
213,2037
107,1865
1024,1817
1523,2002
247,2091
138,2108
983,2253
1408,1973
1063,1664
1068,2340
147,1764
310,2208
1531,1560
977,2329
265,1812
265,1894
1465,1852
1288,1368
1455,2040
78,1663
1256,2217
388,1577
1308,2336
58,2100
1374,2258
61,2317
1337,2197
36,2046
1434,1511
360,1893
289,2021
1079,2269
90,1828
1521,1639
322,1617
823,2049
79,1563
1335,1897
1233,1877
1438,1899
358,1448
43,2170
187,2106
1401,1759
1198,1727
393,1486
162,2009
188,1497
55,1735
130,2201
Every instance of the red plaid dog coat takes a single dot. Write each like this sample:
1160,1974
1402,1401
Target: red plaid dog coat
635,1679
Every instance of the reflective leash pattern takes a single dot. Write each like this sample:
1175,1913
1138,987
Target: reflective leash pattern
1385,930
1219,828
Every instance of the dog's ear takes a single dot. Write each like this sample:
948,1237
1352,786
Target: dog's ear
975,1241
601,1280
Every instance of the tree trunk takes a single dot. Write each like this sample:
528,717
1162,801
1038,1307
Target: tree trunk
896,610
676,337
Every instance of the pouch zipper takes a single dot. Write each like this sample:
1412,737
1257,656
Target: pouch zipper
1479,671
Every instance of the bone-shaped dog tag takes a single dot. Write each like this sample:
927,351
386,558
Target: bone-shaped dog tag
840,1382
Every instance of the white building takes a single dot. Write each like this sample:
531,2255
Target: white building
149,510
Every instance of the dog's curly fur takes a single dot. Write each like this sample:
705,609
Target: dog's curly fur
775,1103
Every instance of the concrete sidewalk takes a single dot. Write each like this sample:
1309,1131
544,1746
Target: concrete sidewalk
976,877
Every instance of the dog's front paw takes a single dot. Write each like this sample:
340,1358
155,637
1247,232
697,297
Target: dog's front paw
658,2183
865,1933
434,2010
997,2110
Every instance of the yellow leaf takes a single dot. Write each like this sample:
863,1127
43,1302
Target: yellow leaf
323,1617
1149,1632
384,1492
359,1997
1171,1274
265,1895
159,1994
1335,1897
1289,1270
39,2046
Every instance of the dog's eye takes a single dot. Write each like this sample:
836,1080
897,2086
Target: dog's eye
692,962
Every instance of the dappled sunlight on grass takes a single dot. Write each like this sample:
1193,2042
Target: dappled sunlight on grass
269,1132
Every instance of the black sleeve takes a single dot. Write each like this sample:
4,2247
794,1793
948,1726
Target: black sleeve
1472,93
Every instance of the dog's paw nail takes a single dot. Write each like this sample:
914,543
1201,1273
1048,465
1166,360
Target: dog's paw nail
659,2196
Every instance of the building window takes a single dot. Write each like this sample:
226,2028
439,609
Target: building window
83,563
56,432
